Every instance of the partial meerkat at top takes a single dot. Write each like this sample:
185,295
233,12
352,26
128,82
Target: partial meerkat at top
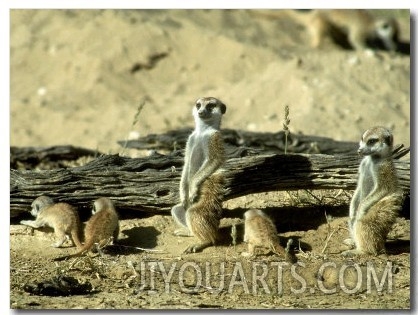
358,27
62,217
260,232
100,228
378,198
202,183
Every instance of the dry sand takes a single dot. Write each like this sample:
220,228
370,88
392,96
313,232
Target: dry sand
77,77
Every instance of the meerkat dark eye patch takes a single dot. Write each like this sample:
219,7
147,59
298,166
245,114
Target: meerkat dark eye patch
198,105
210,107
372,141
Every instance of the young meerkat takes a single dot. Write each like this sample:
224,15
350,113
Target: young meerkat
102,225
358,27
260,231
202,182
377,198
62,217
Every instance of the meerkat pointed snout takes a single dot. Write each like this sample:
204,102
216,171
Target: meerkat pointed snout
202,183
62,217
377,199
377,141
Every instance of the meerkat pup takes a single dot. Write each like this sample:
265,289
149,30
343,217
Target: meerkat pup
359,28
202,182
260,232
102,226
62,217
377,198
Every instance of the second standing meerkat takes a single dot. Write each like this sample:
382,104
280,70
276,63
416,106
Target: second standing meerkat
260,231
103,225
61,216
377,199
202,183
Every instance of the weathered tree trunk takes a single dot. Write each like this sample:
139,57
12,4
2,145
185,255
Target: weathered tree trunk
267,142
151,184
31,157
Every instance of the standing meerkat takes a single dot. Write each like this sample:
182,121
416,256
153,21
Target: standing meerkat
357,27
62,217
377,198
260,231
102,225
202,182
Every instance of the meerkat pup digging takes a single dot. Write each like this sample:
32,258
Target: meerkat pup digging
100,228
360,29
62,217
202,183
260,232
377,198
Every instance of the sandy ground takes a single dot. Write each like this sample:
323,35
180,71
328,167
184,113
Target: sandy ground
78,77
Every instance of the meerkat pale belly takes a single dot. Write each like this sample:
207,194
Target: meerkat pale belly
377,199
202,183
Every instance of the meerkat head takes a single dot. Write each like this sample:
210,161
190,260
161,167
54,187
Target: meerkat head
39,204
253,213
100,204
209,110
377,142
387,31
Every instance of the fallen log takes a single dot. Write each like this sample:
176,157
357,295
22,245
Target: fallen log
151,184
31,157
267,142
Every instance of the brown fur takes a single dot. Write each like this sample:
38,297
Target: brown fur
377,198
102,225
358,26
62,217
204,216
202,183
260,231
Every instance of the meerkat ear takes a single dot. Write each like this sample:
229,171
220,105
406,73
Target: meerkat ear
389,140
223,108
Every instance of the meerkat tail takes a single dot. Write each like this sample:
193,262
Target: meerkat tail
87,245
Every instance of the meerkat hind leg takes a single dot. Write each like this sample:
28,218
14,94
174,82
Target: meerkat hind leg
251,251
62,238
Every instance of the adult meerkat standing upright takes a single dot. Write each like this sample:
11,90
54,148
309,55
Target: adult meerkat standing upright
377,198
359,27
202,183
260,231
62,217
102,225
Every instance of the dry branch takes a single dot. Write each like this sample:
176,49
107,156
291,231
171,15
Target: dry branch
151,184
267,142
